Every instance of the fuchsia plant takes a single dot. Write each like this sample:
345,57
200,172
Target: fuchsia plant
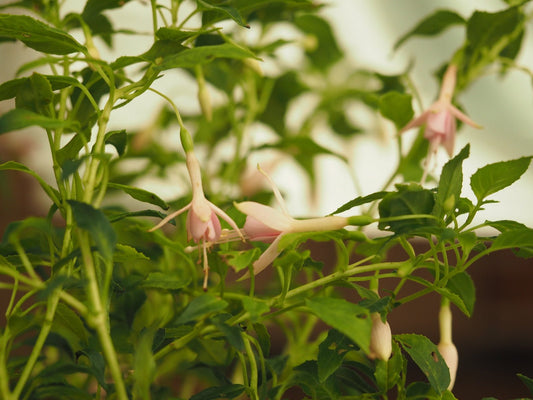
101,306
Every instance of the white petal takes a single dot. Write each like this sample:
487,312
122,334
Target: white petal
267,215
268,256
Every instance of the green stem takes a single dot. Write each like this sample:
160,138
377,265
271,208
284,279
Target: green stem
53,301
98,320
254,376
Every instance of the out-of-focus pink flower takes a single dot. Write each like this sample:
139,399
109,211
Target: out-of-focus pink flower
203,225
266,224
440,117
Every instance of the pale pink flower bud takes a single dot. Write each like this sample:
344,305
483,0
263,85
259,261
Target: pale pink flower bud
380,339
448,351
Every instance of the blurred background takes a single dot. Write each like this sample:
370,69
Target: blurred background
497,342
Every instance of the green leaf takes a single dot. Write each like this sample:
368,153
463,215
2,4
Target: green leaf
20,118
200,307
190,58
263,337
37,35
35,94
15,166
513,238
69,325
462,285
205,5
140,194
331,353
240,260
220,392
96,223
484,29
166,281
432,25
254,307
358,201
326,52
117,139
233,333
348,318
426,355
388,373
450,184
70,150
396,107
526,381
174,34
409,200
495,177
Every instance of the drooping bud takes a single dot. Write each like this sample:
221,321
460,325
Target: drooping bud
448,351
380,339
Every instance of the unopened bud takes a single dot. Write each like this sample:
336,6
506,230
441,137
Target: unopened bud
380,339
448,351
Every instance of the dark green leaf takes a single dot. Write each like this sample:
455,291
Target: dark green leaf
226,10
20,118
232,333
118,139
140,194
409,200
513,238
69,325
190,58
326,52
70,150
348,318
37,35
450,184
495,177
485,29
9,89
35,94
396,107
358,201
200,307
219,392
432,25
96,223
388,373
331,352
174,34
426,355
166,281
463,286
263,337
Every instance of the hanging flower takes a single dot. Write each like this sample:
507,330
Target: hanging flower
440,117
380,338
203,225
266,224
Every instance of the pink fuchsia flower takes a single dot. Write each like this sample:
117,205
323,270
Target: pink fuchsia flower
266,224
440,117
203,225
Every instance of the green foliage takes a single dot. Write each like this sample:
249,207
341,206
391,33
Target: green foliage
99,304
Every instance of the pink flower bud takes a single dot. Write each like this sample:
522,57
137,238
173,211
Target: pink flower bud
380,339
448,351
